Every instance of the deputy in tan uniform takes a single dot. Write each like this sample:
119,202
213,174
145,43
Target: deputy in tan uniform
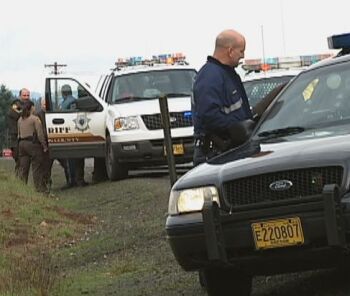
31,147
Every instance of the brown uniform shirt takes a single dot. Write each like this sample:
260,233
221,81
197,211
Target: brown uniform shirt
30,125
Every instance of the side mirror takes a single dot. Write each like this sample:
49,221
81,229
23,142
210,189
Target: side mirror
87,103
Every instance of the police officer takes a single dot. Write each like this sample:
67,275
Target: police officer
220,103
48,162
31,146
12,117
75,165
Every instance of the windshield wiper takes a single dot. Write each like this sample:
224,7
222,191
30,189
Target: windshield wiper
132,99
290,130
173,95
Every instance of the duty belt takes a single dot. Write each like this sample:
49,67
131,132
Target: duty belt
26,139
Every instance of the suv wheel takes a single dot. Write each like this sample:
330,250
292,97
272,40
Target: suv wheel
115,170
225,281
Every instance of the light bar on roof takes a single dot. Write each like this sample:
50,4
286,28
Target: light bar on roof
169,59
282,62
339,41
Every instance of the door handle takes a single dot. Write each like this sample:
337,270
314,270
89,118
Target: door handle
58,121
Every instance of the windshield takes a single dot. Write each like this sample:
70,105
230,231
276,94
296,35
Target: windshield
316,98
151,84
259,88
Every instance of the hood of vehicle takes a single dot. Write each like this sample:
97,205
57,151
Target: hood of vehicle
149,107
254,159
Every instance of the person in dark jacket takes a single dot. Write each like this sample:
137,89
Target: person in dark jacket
31,147
12,117
219,99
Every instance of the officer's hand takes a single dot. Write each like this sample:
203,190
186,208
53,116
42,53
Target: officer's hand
240,132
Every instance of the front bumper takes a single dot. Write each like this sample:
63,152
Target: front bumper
212,237
151,152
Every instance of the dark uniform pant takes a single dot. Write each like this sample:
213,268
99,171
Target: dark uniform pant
32,154
48,162
15,157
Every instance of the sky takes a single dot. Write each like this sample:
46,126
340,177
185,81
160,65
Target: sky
88,36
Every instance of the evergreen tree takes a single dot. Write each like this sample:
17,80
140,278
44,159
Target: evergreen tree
5,101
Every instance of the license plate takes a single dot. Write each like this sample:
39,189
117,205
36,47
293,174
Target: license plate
178,149
278,233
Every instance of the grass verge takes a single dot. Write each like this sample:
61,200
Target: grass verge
103,239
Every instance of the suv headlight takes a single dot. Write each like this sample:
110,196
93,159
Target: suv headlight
191,200
125,123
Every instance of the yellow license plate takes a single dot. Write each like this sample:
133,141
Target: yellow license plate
278,233
178,149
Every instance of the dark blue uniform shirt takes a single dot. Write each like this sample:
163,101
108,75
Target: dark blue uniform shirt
219,99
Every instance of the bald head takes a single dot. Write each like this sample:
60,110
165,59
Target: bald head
229,47
24,94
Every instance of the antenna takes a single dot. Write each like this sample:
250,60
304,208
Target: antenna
263,43
55,67
282,27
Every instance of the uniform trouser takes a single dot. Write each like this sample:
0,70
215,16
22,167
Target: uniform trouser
79,165
47,165
15,157
64,164
48,162
32,154
76,171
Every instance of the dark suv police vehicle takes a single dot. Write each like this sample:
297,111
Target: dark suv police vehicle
281,201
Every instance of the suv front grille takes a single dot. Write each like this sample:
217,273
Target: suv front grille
177,119
306,182
184,141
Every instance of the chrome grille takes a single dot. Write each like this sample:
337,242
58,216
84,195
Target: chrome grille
177,119
306,182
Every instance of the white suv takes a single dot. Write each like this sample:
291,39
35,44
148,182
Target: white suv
122,120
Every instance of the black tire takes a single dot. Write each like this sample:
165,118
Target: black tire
227,282
201,278
115,170
100,173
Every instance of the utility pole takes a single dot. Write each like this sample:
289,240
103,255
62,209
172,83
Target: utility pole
55,67
55,71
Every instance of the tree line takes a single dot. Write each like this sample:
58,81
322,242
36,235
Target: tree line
6,97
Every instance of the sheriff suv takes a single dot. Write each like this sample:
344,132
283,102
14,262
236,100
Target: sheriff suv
120,122
134,132
281,201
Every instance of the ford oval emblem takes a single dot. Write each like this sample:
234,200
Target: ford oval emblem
281,185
